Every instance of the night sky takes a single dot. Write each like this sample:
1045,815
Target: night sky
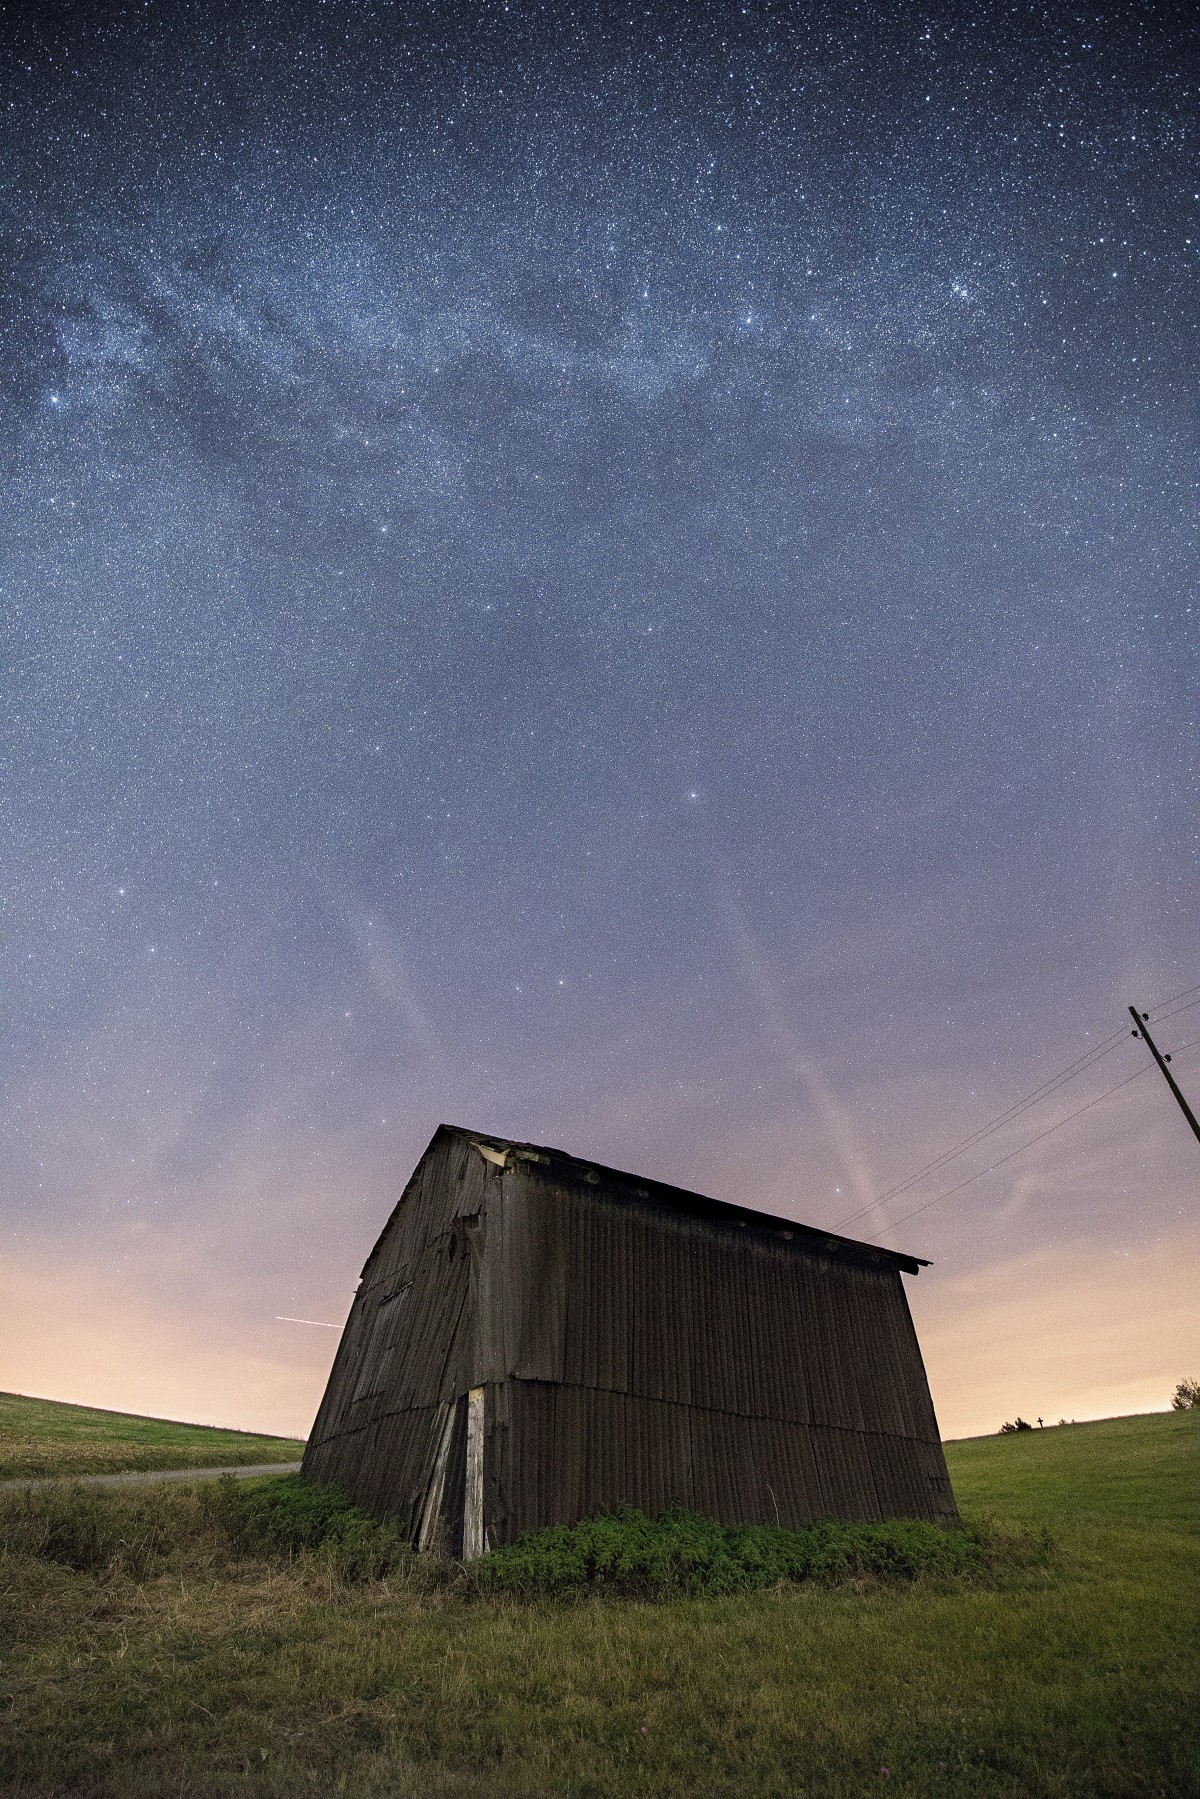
621,576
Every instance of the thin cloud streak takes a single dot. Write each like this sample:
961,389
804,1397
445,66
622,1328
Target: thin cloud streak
787,1043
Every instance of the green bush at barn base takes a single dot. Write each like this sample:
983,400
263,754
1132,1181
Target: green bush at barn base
624,1553
291,1517
621,1553
684,1553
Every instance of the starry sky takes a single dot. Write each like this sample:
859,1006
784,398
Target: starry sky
617,575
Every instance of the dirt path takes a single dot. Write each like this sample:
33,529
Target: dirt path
137,1476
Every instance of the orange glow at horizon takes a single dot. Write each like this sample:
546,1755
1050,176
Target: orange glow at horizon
1072,1332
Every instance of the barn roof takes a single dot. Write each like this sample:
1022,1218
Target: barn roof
577,1172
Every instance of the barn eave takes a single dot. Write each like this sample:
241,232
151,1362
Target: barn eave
505,1152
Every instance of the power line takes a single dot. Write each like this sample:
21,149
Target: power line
1089,1058
1163,1017
1159,1004
1171,998
938,1197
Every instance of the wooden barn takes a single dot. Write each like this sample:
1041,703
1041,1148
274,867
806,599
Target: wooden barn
537,1338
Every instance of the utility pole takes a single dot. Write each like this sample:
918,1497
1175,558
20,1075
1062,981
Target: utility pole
1141,1019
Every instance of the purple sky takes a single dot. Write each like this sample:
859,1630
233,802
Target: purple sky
621,580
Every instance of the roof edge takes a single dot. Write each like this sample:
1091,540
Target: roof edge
499,1150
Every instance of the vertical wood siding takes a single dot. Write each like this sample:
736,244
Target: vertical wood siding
407,1350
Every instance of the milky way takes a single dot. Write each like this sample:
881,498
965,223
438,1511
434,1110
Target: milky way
620,576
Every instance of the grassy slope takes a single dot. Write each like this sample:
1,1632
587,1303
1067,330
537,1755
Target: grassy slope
252,1677
1143,1470
44,1437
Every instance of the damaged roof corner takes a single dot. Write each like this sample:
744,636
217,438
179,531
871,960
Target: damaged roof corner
490,1153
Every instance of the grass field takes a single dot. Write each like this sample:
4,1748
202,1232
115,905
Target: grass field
192,1668
40,1437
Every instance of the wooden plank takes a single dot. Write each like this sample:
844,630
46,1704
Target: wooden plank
427,1533
473,1523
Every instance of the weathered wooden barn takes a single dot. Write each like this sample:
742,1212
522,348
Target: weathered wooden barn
536,1338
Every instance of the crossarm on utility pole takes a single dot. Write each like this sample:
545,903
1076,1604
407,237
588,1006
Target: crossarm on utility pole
1141,1031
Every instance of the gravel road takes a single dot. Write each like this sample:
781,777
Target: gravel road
139,1476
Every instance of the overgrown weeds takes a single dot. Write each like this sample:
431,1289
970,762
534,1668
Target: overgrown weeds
145,1531
95,1532
682,1553
141,1532
290,1517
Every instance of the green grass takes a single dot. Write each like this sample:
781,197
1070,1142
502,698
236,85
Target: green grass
191,1642
42,1437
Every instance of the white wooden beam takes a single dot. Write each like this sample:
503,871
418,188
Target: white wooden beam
473,1529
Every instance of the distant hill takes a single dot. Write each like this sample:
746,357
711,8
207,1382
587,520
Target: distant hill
41,1437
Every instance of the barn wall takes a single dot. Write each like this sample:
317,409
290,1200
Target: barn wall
407,1351
560,1452
644,1355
